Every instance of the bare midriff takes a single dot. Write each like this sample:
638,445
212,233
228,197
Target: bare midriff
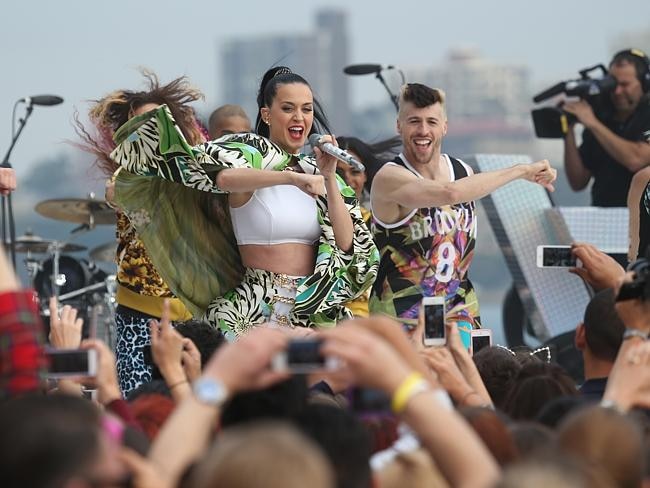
292,259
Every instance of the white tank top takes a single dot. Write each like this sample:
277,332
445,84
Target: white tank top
276,215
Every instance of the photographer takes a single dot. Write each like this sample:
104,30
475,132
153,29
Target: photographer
616,139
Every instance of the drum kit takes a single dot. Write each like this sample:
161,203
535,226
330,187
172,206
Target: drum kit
77,282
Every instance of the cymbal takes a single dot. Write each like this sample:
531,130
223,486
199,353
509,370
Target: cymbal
78,210
105,252
36,244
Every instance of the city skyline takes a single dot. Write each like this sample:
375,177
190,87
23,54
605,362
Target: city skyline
82,51
318,55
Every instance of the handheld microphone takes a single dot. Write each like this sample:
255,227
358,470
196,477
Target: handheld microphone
337,152
45,100
365,69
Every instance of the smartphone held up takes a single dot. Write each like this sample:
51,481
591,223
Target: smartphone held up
481,338
434,321
69,363
303,356
556,257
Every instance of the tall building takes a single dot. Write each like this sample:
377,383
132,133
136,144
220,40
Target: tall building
319,56
477,89
488,104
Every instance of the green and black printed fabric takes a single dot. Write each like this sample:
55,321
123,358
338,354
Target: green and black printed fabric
169,193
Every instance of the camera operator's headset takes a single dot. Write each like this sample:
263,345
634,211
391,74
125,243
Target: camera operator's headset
644,77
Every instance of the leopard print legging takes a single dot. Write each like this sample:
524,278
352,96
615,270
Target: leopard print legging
132,329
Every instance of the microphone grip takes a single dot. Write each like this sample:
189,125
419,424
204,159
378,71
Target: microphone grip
339,153
358,165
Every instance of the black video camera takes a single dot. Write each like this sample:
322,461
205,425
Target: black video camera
553,122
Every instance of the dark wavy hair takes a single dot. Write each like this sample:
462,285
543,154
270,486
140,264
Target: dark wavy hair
110,112
535,385
281,75
373,156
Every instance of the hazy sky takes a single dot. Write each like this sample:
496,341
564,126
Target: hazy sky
83,49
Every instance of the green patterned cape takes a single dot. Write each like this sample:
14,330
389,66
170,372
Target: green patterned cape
169,193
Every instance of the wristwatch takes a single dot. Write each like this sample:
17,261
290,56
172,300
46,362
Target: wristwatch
629,333
210,391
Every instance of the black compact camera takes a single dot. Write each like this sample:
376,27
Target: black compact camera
553,122
638,288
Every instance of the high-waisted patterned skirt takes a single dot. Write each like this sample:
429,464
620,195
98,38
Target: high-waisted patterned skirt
264,296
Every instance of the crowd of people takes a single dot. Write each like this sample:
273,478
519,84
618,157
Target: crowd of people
235,247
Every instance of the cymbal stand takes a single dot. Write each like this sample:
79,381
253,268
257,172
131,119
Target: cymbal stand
109,318
32,264
58,280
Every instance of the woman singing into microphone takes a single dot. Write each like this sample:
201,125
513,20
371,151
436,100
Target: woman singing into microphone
291,246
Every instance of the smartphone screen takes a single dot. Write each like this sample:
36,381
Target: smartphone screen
479,342
434,321
70,362
558,257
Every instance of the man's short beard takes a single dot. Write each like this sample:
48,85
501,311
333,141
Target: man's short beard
626,104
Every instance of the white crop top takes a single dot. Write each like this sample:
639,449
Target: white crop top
276,215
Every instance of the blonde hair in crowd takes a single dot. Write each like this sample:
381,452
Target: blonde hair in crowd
268,455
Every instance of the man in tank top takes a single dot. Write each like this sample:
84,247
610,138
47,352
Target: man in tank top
424,216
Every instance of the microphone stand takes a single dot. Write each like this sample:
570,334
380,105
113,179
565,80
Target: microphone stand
392,96
7,206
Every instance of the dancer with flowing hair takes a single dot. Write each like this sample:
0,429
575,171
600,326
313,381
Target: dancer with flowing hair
141,290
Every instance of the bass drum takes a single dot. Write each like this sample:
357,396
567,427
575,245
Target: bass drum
74,274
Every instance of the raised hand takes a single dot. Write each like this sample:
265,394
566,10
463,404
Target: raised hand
246,363
450,377
326,163
105,380
65,327
582,110
7,181
167,352
598,269
542,173
369,359
629,383
191,358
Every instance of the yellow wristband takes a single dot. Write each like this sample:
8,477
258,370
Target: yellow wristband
411,386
